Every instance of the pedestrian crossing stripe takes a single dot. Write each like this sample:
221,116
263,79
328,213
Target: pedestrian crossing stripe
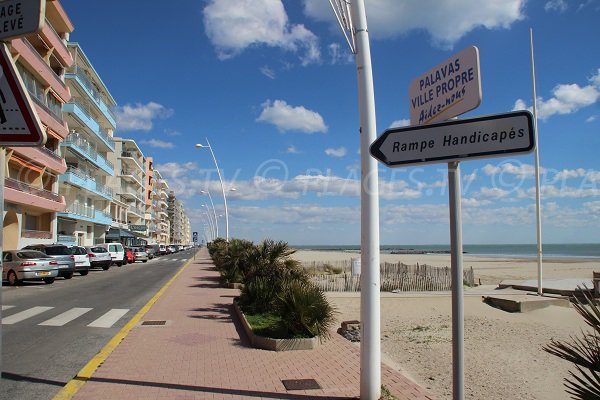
107,320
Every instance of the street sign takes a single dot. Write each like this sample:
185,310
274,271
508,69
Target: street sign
21,17
482,137
195,237
447,90
19,123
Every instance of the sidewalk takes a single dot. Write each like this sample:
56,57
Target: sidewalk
202,353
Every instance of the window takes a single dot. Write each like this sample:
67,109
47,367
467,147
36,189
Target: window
31,222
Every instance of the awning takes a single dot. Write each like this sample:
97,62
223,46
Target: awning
118,234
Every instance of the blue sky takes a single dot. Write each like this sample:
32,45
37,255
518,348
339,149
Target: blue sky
272,85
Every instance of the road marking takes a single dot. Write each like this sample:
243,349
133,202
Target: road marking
108,319
65,317
6,307
23,315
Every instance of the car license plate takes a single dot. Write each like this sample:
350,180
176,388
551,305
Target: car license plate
43,273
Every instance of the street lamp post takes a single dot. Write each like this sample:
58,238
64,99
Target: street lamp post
222,187
213,209
211,224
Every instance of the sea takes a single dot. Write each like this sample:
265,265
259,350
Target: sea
573,250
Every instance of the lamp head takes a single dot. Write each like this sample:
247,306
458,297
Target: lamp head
200,145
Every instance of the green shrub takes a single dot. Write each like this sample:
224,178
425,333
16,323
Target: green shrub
304,309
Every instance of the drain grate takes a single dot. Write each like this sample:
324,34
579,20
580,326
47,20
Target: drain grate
300,384
154,322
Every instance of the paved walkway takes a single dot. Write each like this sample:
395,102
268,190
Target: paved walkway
202,353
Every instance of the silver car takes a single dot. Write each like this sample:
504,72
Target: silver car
25,265
139,254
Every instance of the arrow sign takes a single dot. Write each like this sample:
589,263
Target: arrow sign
19,123
482,137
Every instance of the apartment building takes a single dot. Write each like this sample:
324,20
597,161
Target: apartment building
128,207
177,219
31,196
85,184
161,208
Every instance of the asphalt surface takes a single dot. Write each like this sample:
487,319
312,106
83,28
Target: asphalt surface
38,360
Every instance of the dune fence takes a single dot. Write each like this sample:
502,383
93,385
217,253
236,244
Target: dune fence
337,277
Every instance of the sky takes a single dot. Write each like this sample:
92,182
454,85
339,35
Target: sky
272,85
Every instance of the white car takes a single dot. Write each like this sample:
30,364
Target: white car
82,260
117,252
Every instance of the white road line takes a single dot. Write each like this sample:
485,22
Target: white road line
6,307
108,319
65,317
20,316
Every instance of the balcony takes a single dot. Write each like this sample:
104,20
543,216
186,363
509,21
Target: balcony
130,176
67,240
31,57
85,149
86,213
53,40
43,156
137,212
26,233
80,179
86,85
53,119
131,159
26,194
84,117
102,218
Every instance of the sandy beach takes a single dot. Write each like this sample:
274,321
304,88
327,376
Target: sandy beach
503,351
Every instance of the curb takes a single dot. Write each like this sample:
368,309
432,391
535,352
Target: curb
73,386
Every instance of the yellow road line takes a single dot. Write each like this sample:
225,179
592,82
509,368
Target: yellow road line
73,386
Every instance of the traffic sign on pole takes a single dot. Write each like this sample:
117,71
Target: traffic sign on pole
19,123
21,17
482,137
447,90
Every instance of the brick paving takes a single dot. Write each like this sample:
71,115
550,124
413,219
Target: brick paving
203,353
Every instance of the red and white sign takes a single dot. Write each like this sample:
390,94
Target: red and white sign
21,17
19,123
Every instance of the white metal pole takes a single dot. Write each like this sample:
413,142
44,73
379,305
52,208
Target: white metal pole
456,265
222,190
210,221
2,176
370,344
214,212
538,205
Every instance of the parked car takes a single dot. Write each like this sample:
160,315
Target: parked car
82,260
117,253
61,254
172,249
99,257
140,254
151,249
162,249
28,265
129,256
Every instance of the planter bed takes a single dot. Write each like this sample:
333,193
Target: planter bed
266,343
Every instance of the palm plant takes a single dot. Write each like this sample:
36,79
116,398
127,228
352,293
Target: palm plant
582,351
304,309
235,260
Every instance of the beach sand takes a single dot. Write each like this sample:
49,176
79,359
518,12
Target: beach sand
503,351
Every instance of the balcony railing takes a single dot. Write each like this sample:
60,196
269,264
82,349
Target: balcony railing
66,239
80,209
26,233
104,189
51,153
27,188
91,182
56,114
97,128
95,95
86,148
126,172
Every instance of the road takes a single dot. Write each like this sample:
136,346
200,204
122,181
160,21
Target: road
75,319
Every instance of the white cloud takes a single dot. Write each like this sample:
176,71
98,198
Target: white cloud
339,55
339,152
470,177
556,5
519,170
158,143
400,123
470,202
268,72
234,25
591,119
495,193
567,99
570,173
174,170
139,117
392,18
292,150
289,118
